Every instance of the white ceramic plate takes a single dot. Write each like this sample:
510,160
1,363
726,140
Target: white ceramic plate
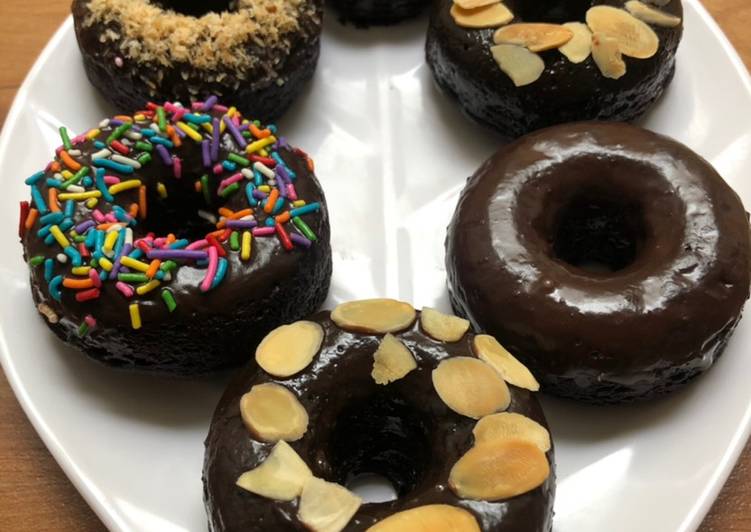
392,154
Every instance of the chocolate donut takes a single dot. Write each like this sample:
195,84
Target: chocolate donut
377,12
172,240
376,388
613,261
255,53
545,66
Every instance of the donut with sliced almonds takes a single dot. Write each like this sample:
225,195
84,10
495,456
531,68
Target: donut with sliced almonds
378,387
520,65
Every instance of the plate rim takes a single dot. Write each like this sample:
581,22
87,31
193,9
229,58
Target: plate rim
83,486
711,492
93,496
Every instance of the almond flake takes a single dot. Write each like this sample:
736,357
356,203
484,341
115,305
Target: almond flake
607,56
634,37
537,37
511,426
429,518
499,470
374,316
290,348
470,387
473,4
489,350
443,327
652,15
488,16
392,361
579,48
518,63
280,477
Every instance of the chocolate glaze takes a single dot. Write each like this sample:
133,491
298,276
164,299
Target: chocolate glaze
207,331
679,242
463,66
378,12
402,431
258,94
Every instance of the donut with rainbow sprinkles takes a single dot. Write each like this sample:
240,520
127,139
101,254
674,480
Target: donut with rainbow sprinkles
175,239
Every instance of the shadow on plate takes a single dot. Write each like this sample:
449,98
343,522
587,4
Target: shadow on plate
577,423
155,400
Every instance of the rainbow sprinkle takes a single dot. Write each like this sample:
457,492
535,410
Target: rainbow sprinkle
88,203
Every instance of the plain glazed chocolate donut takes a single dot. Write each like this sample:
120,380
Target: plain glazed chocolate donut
348,400
377,12
548,86
612,261
173,240
255,53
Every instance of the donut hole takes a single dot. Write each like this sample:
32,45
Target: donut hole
377,439
373,488
598,233
182,213
196,8
553,11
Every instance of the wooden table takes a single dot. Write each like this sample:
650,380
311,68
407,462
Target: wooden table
34,492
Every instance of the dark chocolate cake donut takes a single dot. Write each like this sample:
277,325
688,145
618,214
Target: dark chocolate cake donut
255,53
376,388
172,241
518,66
378,12
613,261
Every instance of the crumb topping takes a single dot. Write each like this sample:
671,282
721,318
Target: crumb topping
151,34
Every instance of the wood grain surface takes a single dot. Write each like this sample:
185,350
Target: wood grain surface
35,495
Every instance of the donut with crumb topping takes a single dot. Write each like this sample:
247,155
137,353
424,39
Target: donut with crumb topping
256,53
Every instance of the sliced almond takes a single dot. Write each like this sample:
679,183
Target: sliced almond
487,16
579,48
429,518
443,327
518,63
281,476
511,426
392,360
607,56
634,37
374,315
290,348
272,413
470,387
514,372
652,15
473,4
499,470
536,36
326,506
46,311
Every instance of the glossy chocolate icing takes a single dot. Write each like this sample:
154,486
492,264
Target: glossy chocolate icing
402,431
463,66
208,331
679,242
264,91
378,12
